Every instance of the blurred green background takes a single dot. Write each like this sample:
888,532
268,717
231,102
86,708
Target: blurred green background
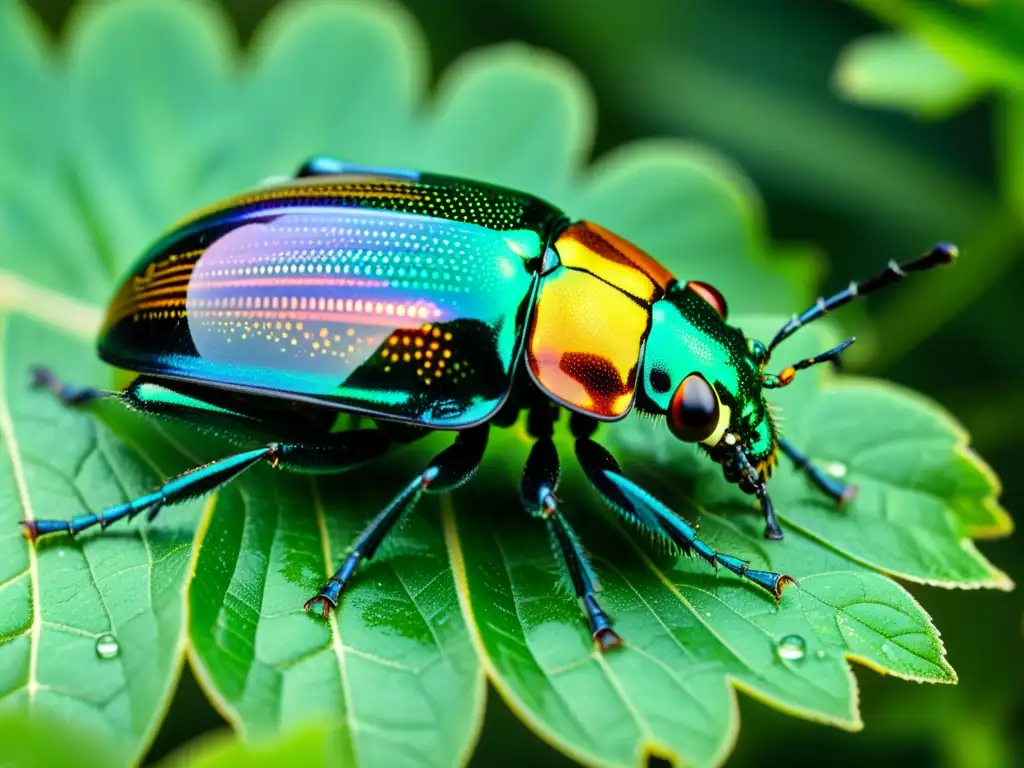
856,185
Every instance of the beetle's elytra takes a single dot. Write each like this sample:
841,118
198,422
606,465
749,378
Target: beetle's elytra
441,304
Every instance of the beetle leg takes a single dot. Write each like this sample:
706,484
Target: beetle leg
841,492
540,480
744,473
339,452
68,394
633,503
450,469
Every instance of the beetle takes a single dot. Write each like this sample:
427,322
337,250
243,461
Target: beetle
427,302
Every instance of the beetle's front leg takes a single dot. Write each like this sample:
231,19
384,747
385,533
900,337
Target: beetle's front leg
636,505
741,471
841,492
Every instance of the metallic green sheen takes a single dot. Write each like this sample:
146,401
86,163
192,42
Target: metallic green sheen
688,336
396,298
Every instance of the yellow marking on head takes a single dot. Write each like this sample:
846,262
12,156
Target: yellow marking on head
724,418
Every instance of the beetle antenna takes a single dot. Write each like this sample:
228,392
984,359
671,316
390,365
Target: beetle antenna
785,377
940,254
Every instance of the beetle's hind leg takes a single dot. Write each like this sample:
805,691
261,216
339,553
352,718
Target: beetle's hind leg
633,503
838,490
336,453
450,469
69,394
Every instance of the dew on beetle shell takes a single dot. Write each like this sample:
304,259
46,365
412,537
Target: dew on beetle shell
107,647
791,648
836,469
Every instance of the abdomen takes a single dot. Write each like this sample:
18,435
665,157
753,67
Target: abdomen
327,298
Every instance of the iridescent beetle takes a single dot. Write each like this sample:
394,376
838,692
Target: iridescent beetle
425,303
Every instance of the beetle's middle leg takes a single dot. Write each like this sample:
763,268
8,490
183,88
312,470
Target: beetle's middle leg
841,492
451,468
537,491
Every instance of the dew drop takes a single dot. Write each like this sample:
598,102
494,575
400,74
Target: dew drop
107,647
836,469
792,648
820,654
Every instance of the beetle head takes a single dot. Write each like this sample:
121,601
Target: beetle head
708,380
704,377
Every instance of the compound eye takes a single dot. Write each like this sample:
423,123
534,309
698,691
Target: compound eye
711,295
694,411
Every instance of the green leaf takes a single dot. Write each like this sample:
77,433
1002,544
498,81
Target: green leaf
513,116
345,107
902,72
700,215
155,122
46,742
397,676
394,671
692,634
30,132
985,41
309,746
59,605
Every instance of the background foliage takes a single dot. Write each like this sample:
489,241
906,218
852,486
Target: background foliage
770,85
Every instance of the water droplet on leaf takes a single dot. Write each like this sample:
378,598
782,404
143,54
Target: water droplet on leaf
792,648
107,647
836,469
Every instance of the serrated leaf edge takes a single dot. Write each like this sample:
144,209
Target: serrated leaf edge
1004,525
541,62
79,320
646,748
389,14
944,664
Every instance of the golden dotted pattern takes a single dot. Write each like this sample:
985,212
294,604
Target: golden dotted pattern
428,350
349,344
463,202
